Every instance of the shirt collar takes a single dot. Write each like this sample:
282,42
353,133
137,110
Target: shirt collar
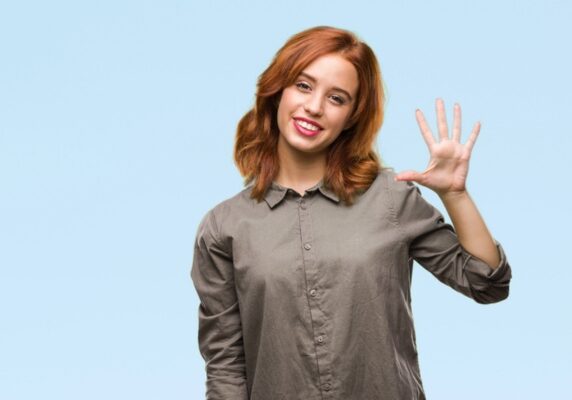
277,192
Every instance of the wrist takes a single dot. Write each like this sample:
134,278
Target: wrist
454,196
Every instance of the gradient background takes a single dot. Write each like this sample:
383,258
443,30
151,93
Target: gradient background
117,123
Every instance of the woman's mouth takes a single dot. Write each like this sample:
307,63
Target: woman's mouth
305,128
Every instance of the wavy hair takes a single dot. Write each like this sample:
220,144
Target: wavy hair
352,161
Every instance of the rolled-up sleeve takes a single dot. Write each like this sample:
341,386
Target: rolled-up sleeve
434,244
220,331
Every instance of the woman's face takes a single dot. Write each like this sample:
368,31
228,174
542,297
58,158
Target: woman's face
315,109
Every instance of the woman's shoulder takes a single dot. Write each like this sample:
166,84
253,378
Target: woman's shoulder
230,203
386,173
398,194
386,181
224,212
231,207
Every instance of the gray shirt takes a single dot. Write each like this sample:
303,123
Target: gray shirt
303,297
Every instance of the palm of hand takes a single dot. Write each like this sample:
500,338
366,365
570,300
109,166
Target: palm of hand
449,163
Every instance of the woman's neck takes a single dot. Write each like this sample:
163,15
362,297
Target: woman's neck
299,170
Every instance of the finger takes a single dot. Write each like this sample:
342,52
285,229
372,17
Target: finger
408,176
457,123
425,131
441,119
473,137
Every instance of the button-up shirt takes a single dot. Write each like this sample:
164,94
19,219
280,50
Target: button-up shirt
304,297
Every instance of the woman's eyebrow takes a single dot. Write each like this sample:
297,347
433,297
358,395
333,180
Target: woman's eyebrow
310,77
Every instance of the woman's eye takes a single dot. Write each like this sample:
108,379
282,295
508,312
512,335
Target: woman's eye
338,99
305,87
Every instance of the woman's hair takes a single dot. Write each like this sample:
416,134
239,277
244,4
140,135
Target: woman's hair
352,161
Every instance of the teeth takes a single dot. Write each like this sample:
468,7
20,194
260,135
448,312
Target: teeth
306,125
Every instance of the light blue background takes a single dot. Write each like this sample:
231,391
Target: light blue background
117,121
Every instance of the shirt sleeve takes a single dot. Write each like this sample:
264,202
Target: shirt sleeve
434,244
220,330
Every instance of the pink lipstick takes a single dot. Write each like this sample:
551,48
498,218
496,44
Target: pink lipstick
304,131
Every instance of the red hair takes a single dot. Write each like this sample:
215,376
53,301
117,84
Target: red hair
352,160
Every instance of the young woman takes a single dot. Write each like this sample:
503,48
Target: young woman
304,276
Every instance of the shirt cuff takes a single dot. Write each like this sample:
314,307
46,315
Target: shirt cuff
487,284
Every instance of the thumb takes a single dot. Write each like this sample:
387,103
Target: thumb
408,176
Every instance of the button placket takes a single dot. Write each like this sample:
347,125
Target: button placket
320,323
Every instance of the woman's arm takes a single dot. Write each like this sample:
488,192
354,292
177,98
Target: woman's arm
435,245
446,175
220,330
470,227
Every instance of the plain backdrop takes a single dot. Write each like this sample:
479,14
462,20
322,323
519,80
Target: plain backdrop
117,123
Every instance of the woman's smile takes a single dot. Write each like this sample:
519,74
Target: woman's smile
305,128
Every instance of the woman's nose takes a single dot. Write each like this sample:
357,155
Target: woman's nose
314,105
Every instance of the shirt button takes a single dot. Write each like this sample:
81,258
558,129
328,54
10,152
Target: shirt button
302,204
327,386
313,292
307,246
320,339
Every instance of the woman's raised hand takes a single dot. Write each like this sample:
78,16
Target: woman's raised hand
448,166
